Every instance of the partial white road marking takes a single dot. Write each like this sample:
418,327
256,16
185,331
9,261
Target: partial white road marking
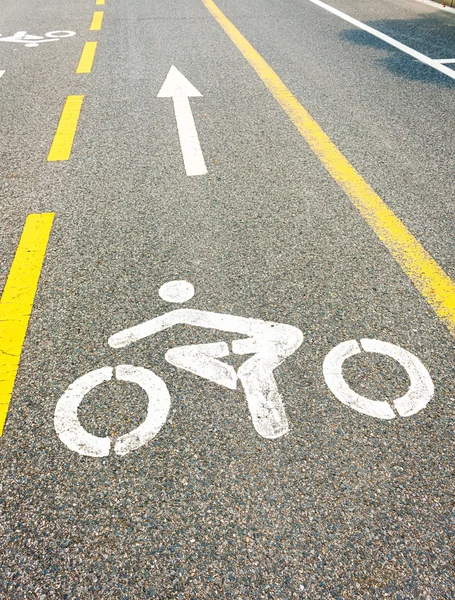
2,73
33,41
200,359
437,5
176,291
78,439
445,61
159,404
385,38
177,87
420,392
66,421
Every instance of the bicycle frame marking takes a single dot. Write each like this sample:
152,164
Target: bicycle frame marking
269,343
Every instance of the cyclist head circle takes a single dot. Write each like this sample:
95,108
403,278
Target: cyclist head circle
176,291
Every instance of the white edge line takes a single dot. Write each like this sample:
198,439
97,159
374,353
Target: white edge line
385,38
437,5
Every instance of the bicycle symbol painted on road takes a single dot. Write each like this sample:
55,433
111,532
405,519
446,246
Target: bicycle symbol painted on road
33,41
267,344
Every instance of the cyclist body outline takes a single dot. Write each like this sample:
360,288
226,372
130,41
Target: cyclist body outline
269,342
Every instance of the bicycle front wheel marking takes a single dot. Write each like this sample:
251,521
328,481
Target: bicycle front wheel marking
419,394
78,439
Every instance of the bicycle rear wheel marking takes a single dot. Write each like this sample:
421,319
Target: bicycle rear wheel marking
78,439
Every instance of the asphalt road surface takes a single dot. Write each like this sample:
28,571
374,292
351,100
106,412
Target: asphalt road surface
297,169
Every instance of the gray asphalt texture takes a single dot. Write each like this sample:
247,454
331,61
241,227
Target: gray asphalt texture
344,506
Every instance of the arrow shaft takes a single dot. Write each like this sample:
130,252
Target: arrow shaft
189,141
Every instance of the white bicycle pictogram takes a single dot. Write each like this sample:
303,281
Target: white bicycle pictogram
33,41
268,343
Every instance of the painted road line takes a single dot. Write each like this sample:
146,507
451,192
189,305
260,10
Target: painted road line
445,61
428,277
87,57
97,20
17,302
387,39
177,87
100,2
66,130
2,73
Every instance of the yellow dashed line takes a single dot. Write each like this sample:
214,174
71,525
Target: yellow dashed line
87,57
97,20
17,302
66,130
428,277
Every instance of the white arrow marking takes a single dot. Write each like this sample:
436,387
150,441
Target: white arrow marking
177,87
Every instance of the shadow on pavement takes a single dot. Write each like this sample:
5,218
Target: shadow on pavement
432,35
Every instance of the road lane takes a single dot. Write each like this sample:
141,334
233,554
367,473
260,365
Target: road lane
40,80
388,114
344,505
428,277
420,35
97,20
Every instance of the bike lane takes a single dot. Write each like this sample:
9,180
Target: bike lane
209,507
37,77
386,111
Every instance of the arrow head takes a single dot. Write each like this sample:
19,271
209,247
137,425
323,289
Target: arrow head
177,85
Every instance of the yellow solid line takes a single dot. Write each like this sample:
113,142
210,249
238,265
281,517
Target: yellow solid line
87,57
66,130
97,20
100,2
17,301
428,277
